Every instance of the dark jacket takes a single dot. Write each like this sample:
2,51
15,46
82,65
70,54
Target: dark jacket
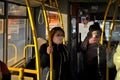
5,72
94,60
60,61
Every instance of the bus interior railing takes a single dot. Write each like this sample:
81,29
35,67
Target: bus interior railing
22,70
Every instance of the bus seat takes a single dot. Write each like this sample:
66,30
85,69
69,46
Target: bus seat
40,42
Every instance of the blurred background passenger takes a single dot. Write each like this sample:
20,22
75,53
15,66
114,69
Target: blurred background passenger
94,55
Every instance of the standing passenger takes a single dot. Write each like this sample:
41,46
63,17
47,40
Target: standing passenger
83,30
60,55
94,55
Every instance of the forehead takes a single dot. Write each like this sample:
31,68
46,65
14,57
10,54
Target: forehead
96,32
59,32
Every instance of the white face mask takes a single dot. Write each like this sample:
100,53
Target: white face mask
58,39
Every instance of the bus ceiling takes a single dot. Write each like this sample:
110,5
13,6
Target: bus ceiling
36,2
33,3
93,1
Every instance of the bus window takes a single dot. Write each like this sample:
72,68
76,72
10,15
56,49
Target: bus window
1,39
16,39
16,10
1,8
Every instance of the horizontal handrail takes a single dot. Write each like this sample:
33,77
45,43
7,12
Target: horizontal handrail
24,70
24,53
15,48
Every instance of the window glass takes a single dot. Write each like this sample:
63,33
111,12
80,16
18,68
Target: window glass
107,30
116,32
53,19
16,10
1,8
1,38
16,39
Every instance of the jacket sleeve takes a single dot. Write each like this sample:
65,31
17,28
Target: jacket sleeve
6,75
44,57
116,58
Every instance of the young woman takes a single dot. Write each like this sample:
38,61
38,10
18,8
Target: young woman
60,55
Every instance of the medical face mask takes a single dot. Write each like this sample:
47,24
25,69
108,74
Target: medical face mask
58,39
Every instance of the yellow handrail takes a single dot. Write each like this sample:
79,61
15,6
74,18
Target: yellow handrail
113,23
103,30
111,28
49,35
21,71
25,70
60,16
15,58
49,40
110,35
104,21
24,53
34,39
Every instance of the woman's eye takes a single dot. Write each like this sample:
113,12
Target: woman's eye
60,35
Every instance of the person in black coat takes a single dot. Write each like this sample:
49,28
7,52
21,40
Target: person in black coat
94,55
61,61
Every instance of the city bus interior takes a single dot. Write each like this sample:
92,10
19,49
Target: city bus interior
25,25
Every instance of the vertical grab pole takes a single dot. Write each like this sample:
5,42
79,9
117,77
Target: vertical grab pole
60,16
113,23
102,35
49,39
34,39
103,24
110,35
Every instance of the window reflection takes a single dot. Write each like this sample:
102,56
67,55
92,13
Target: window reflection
14,9
1,8
16,38
1,38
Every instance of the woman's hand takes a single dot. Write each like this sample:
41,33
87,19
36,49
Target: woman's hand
49,49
